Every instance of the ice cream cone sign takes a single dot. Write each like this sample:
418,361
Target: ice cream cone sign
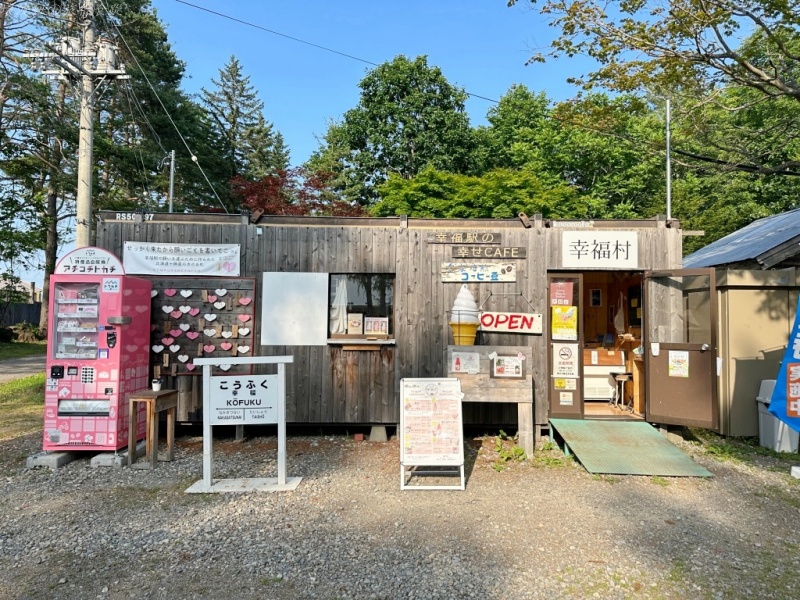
464,318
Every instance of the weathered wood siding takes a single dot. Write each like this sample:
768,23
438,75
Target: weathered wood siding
334,384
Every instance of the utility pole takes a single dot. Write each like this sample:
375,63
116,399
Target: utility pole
87,62
669,168
171,177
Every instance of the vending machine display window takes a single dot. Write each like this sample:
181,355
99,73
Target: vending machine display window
76,320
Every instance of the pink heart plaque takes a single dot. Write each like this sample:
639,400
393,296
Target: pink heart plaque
244,318
176,314
190,366
209,348
245,301
170,292
212,298
167,341
175,332
192,335
226,345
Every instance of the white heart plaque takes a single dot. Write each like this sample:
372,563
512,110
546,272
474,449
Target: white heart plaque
185,309
153,293
243,349
184,326
167,309
183,357
221,292
219,305
209,317
174,348
157,348
227,334
223,367
244,331
186,293
210,332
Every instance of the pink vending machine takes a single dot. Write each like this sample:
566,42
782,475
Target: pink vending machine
97,351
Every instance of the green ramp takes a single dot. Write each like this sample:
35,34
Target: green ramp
624,448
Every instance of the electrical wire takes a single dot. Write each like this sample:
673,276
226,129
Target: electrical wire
301,41
164,108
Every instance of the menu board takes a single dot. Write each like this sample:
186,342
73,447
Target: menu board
431,432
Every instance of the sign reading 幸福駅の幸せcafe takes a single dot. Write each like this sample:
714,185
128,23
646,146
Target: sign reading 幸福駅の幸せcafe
489,252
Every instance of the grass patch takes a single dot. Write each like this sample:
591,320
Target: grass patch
22,349
733,449
659,481
21,406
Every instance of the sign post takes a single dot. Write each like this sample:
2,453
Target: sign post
243,399
431,432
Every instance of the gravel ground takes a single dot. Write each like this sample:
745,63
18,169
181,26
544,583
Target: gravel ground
544,528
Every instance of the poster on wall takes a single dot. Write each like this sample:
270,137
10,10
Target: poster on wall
507,367
678,363
565,323
210,260
565,361
565,384
565,398
465,362
561,293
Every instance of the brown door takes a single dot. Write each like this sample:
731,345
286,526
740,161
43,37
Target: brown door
565,336
680,348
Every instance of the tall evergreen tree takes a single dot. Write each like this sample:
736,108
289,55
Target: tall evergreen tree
251,146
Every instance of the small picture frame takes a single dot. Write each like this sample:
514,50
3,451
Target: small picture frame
596,297
355,324
378,326
507,367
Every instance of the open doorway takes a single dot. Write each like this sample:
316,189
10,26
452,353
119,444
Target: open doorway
595,334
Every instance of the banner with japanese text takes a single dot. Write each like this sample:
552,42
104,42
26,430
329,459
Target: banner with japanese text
785,403
150,258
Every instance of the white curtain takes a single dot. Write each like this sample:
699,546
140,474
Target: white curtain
339,308
619,318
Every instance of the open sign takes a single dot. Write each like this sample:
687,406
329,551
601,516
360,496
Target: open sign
511,322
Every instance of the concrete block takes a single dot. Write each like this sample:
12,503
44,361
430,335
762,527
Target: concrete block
796,472
115,459
377,434
51,460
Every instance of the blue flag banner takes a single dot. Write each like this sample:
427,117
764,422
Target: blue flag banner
785,403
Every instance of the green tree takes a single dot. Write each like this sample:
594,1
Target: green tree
690,51
497,194
409,117
252,148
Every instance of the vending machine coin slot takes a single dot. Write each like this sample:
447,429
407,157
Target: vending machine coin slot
56,372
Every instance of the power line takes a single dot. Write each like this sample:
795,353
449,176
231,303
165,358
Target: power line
302,41
164,108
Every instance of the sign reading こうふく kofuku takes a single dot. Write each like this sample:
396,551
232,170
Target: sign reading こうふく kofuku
244,400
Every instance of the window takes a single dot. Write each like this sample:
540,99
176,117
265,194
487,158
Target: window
361,306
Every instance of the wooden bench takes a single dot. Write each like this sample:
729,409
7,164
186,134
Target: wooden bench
163,400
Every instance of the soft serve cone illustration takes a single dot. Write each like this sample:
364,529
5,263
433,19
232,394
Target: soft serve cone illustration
464,318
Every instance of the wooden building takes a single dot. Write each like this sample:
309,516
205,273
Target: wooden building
402,275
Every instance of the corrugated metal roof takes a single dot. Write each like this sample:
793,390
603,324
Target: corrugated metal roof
748,243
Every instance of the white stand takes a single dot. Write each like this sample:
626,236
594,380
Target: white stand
209,485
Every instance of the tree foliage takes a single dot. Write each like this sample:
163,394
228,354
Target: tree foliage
408,117
719,55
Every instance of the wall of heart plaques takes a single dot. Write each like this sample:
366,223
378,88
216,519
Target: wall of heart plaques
201,317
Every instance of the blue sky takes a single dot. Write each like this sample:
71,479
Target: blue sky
480,45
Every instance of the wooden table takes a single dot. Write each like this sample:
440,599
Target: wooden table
163,400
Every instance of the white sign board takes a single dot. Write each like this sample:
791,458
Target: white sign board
431,432
466,362
244,400
165,258
565,360
503,322
603,249
89,261
294,309
478,272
